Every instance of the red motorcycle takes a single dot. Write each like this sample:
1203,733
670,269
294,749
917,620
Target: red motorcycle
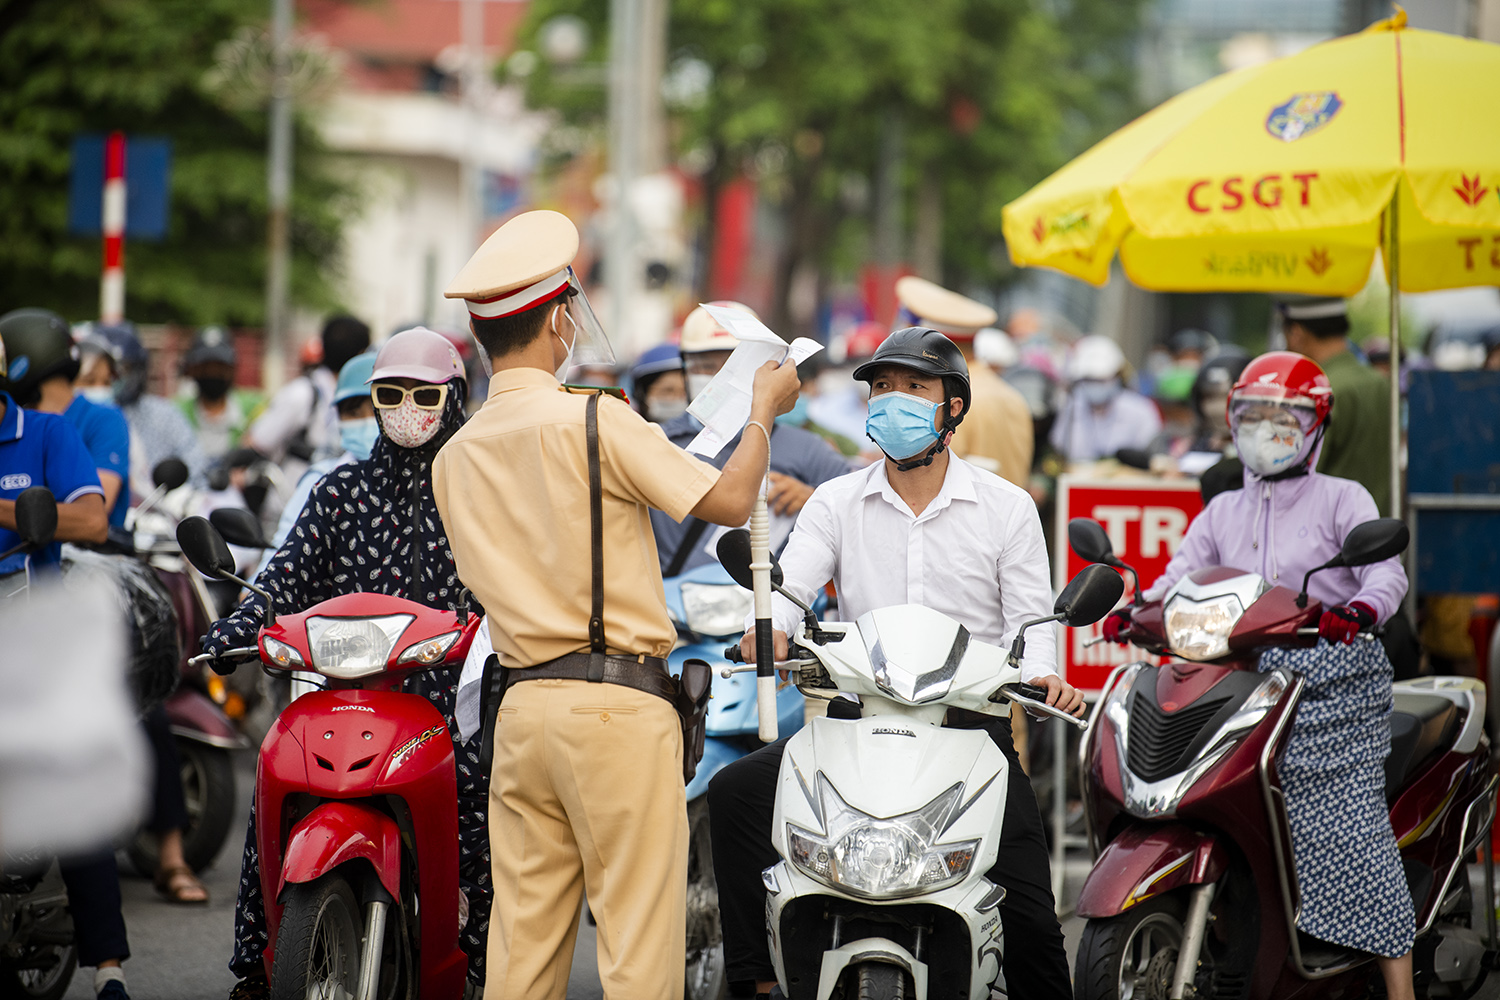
356,796
1194,892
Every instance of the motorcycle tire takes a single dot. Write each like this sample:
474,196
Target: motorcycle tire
706,976
1132,955
18,982
318,945
876,981
208,786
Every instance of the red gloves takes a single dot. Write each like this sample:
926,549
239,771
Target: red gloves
1117,627
1339,624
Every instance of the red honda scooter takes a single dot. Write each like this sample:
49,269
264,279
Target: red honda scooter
356,797
1194,891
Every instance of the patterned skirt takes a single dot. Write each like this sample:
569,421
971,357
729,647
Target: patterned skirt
1349,875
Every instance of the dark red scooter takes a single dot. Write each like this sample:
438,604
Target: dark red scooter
356,797
1194,892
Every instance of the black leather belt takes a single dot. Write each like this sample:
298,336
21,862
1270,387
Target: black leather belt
647,674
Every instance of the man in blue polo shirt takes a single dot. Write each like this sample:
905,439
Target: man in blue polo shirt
41,449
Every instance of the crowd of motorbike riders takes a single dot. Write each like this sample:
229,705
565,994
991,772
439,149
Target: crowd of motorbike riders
946,409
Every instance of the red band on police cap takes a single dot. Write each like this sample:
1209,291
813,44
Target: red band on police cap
520,300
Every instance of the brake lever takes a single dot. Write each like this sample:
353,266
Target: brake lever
1016,693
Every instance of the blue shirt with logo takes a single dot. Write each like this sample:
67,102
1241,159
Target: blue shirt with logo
107,437
40,449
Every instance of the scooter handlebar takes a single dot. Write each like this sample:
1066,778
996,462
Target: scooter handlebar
228,661
733,654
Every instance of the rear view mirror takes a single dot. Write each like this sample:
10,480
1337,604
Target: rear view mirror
36,517
204,547
734,555
1089,596
1375,541
169,474
238,526
1087,538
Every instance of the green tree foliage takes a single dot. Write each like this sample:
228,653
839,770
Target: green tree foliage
143,66
991,96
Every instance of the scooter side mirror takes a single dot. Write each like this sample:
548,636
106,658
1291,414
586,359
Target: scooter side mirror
1088,539
36,517
1089,596
1375,541
204,547
169,474
238,526
734,555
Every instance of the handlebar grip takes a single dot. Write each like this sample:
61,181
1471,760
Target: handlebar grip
1032,691
733,654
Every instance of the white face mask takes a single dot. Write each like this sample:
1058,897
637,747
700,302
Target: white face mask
1267,449
567,363
696,383
98,393
663,410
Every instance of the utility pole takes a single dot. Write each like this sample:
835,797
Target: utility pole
473,84
279,192
626,126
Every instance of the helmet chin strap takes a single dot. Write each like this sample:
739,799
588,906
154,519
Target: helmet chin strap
932,453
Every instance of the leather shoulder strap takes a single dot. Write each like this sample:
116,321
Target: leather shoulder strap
596,526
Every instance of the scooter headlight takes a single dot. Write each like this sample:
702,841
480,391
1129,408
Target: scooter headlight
716,608
882,858
348,648
1199,630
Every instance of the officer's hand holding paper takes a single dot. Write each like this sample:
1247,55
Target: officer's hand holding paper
723,406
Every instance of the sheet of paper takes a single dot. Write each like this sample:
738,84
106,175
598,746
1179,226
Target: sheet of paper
723,407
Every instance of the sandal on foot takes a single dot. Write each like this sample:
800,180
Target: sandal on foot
252,987
180,885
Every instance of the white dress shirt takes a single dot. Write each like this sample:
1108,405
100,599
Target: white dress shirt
975,553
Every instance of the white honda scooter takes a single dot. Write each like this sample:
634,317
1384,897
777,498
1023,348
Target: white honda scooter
887,824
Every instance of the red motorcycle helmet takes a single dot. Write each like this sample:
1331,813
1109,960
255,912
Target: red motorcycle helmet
1284,377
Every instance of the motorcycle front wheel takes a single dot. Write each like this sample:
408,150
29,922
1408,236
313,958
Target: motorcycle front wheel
875,981
318,945
40,972
705,977
1132,956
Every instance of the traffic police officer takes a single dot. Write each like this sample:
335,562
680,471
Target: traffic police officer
587,789
996,434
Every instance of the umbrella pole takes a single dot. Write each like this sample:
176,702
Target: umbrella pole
1395,255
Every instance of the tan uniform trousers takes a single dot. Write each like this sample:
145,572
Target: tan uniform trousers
586,794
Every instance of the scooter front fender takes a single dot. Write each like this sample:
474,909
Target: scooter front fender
879,950
338,832
1147,860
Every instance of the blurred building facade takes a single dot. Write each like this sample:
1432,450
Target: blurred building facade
417,144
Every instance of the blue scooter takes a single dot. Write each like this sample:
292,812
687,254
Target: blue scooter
709,610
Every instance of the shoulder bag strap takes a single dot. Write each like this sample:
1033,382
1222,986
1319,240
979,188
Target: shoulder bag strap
596,542
685,547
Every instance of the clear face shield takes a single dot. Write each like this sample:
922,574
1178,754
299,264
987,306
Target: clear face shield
590,345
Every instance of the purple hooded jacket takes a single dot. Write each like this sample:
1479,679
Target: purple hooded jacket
1283,529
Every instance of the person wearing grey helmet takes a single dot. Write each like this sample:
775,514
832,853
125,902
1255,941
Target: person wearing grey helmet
115,368
218,412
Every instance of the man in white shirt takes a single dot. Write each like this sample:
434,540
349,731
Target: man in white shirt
922,527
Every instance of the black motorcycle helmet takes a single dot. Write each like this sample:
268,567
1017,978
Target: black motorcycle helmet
931,353
1218,375
38,345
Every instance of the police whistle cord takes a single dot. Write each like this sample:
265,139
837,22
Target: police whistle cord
760,568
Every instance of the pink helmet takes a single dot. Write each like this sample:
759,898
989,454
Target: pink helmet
421,354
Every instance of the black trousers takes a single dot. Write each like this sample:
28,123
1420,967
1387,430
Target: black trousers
93,884
168,806
741,804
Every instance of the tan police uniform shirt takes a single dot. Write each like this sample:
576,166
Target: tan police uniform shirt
512,487
996,433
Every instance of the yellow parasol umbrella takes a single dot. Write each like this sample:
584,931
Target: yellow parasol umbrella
1289,176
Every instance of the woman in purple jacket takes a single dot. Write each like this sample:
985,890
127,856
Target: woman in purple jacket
1286,520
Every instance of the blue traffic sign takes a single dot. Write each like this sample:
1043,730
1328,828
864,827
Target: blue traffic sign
148,173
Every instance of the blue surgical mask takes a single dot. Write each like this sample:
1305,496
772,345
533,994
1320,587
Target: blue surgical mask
901,425
358,436
797,415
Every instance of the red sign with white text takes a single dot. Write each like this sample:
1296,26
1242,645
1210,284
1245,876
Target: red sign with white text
1146,521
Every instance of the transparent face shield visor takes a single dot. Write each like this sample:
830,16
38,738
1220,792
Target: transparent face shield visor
590,345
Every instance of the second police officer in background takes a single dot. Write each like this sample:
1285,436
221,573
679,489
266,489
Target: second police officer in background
996,431
545,494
